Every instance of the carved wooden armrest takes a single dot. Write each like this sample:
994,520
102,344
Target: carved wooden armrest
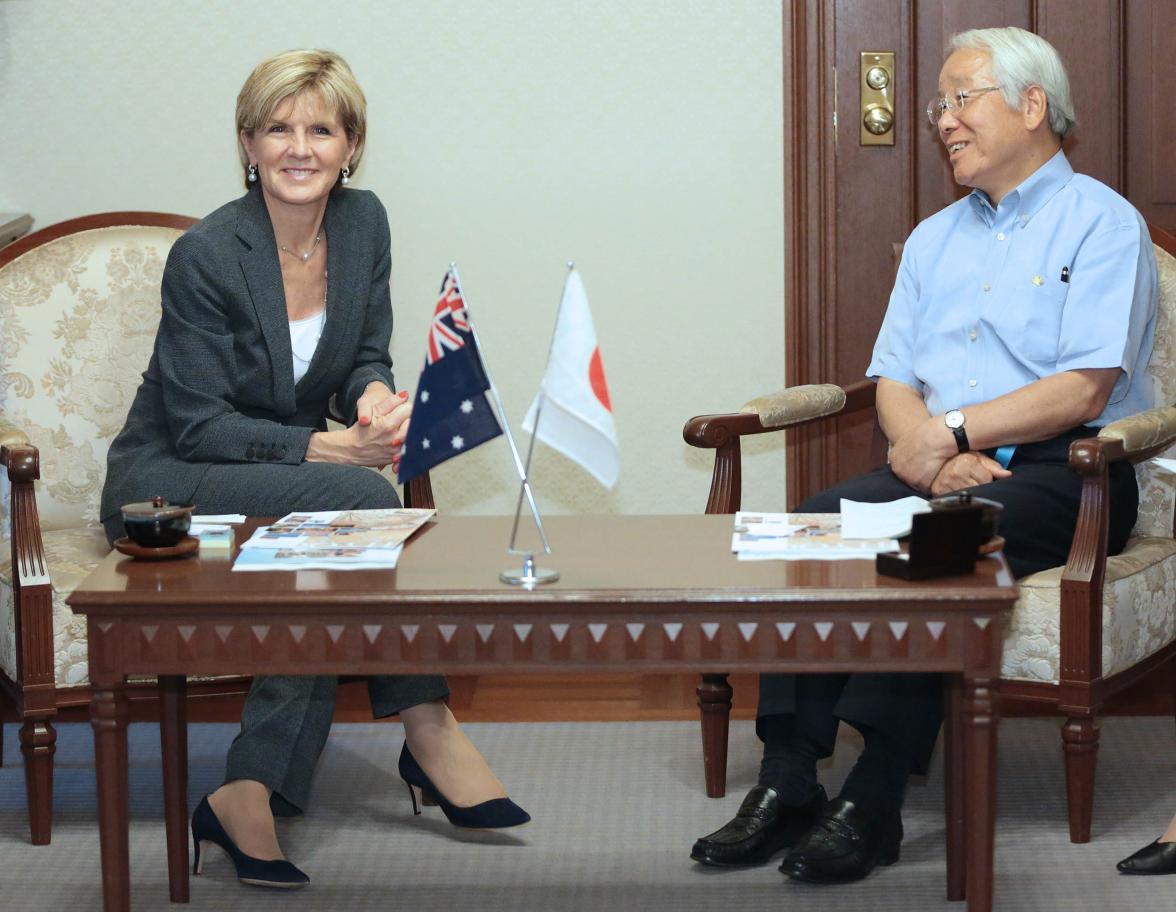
787,408
1142,435
22,461
418,493
11,435
1136,438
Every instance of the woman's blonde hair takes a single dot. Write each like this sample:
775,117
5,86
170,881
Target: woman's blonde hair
298,72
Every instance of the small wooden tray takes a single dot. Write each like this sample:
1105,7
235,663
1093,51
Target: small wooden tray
187,545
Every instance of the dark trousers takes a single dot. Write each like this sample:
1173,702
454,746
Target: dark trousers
1040,503
286,719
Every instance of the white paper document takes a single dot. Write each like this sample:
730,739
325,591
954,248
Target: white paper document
801,536
891,519
331,540
231,519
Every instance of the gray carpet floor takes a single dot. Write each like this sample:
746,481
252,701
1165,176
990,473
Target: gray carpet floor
616,807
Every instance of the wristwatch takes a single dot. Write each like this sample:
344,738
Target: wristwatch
955,423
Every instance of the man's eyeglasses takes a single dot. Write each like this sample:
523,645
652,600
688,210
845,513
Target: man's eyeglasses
953,104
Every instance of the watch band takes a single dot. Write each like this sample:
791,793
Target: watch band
954,420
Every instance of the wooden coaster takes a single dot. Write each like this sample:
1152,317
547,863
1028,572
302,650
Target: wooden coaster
189,544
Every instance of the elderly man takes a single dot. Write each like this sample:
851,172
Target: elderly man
1021,319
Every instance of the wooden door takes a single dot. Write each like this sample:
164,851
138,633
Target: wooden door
846,204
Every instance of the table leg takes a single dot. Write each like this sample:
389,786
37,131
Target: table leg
173,737
108,717
980,720
954,787
714,705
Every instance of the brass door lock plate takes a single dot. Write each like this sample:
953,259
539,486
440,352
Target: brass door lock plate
876,112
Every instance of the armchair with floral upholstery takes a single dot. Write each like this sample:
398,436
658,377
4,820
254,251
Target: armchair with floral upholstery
1078,633
79,303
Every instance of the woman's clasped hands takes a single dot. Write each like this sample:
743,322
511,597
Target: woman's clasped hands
377,436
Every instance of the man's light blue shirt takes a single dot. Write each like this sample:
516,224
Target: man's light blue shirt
1060,276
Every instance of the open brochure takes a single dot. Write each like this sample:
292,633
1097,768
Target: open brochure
801,536
332,540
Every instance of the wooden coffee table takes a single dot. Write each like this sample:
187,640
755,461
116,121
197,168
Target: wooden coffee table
639,593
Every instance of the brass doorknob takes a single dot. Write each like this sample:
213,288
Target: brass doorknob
878,120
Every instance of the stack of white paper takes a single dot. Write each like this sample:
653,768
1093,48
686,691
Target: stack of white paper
801,536
891,519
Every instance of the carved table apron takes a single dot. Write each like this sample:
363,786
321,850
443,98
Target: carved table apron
639,593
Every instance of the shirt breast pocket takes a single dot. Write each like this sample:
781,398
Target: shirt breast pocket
1031,322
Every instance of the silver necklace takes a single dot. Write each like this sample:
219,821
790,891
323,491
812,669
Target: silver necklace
305,257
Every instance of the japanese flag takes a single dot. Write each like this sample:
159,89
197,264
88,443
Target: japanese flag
572,407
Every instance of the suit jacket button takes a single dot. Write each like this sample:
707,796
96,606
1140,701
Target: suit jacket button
281,452
249,451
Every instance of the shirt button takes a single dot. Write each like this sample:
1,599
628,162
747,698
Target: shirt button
987,287
971,383
972,335
1000,237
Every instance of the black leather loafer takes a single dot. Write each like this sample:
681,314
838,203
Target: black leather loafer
1156,858
845,844
763,826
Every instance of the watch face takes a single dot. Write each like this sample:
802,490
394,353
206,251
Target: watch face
954,419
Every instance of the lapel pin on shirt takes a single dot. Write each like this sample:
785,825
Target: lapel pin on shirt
1038,280
1066,274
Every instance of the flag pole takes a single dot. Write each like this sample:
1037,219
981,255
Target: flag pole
538,411
528,562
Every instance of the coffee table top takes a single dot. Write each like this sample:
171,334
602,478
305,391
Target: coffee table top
455,560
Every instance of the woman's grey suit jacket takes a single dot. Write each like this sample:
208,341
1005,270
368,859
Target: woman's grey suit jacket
220,385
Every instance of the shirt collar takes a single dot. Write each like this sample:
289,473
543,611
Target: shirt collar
1032,193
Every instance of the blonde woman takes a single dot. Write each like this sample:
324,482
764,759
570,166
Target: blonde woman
273,305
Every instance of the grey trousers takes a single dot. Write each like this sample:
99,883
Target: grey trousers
286,719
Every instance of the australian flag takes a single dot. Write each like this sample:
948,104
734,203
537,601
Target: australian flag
450,414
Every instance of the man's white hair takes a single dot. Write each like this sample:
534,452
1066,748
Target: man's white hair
1021,59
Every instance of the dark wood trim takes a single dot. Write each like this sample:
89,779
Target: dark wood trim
89,223
1145,690
809,229
1112,695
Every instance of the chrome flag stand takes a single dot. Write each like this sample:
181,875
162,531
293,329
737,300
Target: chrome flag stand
529,574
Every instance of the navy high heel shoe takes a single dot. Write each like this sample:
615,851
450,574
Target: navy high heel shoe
495,814
206,828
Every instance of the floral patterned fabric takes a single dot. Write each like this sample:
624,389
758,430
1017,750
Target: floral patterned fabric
798,403
79,316
1138,615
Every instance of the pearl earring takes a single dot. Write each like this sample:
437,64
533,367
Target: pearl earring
253,174
346,176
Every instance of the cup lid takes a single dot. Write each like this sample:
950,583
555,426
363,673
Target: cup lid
156,508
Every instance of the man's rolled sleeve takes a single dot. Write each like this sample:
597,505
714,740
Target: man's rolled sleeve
893,356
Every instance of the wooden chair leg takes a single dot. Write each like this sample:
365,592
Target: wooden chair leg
955,784
38,744
1080,748
714,706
